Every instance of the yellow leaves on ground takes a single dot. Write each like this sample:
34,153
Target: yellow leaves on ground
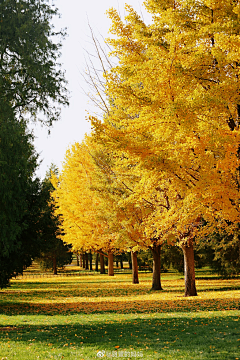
98,294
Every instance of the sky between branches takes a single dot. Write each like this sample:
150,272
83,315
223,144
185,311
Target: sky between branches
75,16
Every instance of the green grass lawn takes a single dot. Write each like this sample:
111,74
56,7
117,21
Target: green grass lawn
92,317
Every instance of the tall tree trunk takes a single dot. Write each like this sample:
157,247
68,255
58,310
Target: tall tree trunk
121,261
110,263
84,262
102,265
77,256
129,261
81,258
117,263
54,264
134,268
86,258
156,278
96,262
90,261
189,269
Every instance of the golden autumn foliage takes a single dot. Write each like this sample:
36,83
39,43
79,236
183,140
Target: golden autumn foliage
166,154
175,105
172,120
79,205
95,195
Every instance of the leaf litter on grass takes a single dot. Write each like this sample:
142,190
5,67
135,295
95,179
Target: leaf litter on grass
74,318
119,296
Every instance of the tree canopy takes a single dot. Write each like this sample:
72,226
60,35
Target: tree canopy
173,102
32,84
31,80
17,196
53,252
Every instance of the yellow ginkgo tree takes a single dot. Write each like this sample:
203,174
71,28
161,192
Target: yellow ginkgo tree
174,103
84,224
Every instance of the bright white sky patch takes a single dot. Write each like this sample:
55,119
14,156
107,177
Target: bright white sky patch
73,126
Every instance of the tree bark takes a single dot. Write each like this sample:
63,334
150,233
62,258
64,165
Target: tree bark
96,262
84,262
90,260
189,269
156,278
77,256
102,265
81,262
135,279
121,261
54,265
86,258
129,261
110,263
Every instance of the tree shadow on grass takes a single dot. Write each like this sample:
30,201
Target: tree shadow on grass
161,337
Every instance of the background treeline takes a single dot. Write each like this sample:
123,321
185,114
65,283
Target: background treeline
219,253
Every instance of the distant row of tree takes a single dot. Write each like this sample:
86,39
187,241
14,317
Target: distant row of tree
220,253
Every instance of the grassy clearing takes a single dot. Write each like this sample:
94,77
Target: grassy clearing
80,317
